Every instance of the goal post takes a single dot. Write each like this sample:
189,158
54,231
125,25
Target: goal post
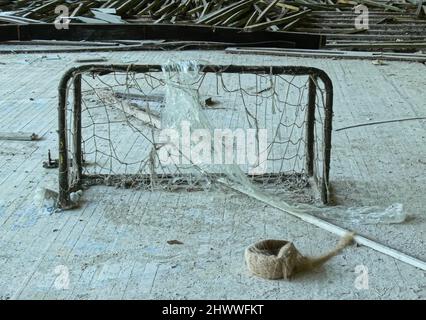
110,118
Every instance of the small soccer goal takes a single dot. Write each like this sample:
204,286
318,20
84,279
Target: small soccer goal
186,127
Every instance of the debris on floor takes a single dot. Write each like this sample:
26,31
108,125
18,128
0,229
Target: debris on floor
172,242
348,25
279,259
19,136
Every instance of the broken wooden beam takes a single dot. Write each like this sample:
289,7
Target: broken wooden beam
150,31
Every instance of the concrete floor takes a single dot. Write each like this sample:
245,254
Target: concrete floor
115,245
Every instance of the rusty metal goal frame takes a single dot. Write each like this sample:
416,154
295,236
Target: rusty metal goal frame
74,75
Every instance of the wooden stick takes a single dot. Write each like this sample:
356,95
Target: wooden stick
147,116
267,9
91,60
380,122
287,19
18,136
